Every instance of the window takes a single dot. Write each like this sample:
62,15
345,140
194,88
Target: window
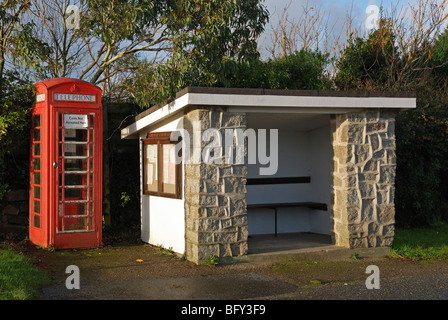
162,176
36,171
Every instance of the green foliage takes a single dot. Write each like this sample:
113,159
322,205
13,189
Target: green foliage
212,260
422,166
162,250
303,70
205,37
28,49
440,63
125,198
16,101
367,63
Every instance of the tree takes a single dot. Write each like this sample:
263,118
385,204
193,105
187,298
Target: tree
15,107
368,63
118,37
206,38
16,37
10,12
399,54
68,48
309,31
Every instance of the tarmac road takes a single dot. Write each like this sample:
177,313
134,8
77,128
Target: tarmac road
144,273
253,286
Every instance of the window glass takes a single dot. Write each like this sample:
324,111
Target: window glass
169,169
36,192
71,149
75,164
36,163
36,207
75,135
36,177
36,121
36,221
151,167
37,149
36,134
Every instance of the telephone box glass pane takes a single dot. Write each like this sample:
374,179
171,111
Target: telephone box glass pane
36,134
75,193
79,135
36,163
74,224
36,221
75,179
36,192
36,121
36,207
74,209
37,149
36,177
71,149
75,164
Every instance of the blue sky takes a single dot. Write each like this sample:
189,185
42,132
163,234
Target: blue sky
336,11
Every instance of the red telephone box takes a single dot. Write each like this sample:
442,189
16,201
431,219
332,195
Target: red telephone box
66,165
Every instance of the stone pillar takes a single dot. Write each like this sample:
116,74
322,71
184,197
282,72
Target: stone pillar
215,193
363,178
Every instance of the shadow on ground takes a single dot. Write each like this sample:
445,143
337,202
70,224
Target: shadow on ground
145,272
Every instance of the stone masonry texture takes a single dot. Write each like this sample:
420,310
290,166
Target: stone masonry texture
363,189
215,194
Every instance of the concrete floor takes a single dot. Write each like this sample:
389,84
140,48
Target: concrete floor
303,246
288,243
268,248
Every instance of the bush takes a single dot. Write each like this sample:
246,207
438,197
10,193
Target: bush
16,100
302,70
422,166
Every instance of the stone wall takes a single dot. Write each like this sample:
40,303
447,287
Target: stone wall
215,194
363,178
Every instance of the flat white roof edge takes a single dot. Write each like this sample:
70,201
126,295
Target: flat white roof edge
323,103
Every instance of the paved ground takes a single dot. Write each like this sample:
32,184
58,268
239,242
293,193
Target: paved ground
144,272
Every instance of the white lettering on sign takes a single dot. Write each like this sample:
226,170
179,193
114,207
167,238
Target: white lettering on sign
74,97
75,121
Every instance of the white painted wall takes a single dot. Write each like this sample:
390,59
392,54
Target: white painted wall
300,154
162,219
320,188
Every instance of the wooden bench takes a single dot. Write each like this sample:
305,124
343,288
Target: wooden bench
275,206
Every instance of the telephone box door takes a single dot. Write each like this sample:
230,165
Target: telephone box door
76,221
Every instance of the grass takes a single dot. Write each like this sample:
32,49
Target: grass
19,278
421,243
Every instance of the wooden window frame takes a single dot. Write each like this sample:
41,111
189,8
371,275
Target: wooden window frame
160,139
